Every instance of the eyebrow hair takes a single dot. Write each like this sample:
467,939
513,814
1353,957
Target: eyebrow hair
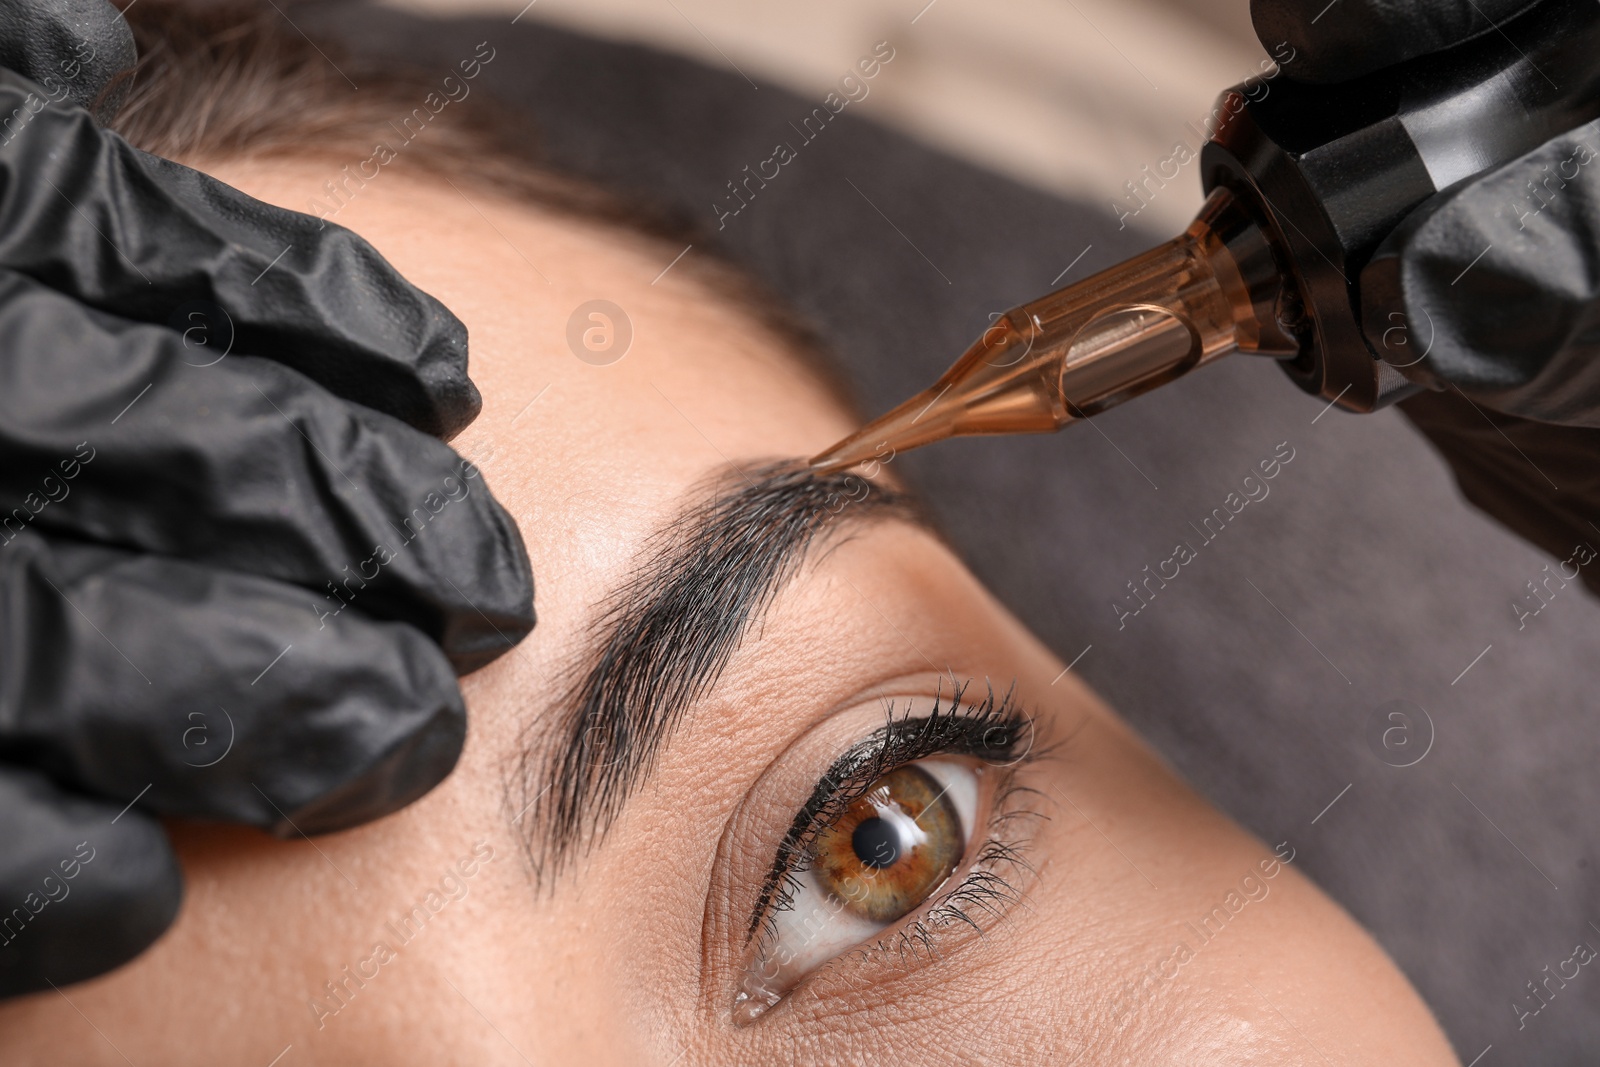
664,637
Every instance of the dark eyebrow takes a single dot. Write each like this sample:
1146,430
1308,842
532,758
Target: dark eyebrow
664,637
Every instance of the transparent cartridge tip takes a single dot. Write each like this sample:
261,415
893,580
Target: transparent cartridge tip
1214,289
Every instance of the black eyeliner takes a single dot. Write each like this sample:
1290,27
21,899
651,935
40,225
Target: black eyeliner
994,731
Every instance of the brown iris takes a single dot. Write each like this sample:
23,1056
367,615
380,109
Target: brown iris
891,848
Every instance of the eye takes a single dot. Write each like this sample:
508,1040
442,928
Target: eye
887,853
888,832
892,847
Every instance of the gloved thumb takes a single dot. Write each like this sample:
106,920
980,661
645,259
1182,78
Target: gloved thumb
1492,286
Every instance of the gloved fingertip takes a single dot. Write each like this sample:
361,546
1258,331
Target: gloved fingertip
76,48
499,609
392,779
88,888
392,734
1383,311
453,398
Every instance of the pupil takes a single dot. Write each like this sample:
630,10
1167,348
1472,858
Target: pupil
876,842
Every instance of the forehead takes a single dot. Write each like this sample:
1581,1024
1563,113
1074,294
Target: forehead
610,383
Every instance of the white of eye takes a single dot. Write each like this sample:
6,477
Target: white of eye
959,781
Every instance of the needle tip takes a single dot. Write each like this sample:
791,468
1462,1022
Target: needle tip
928,416
837,459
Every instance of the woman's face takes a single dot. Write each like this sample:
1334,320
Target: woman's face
739,854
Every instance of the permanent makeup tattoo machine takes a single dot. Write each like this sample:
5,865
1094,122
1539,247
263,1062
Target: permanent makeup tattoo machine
1304,182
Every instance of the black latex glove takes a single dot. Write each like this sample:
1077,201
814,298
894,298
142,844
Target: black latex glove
1511,335
238,572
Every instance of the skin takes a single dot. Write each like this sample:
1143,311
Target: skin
629,957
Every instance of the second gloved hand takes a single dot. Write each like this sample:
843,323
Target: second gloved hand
1489,293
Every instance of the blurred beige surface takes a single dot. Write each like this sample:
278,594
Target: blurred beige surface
1073,96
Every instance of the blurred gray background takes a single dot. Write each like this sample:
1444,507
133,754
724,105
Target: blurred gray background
1069,96
991,150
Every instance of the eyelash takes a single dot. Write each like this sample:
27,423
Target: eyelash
991,731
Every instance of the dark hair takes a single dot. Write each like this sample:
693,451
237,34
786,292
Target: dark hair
233,79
